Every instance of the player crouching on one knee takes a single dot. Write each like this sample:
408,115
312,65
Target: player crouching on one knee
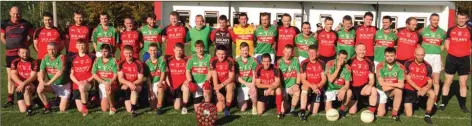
176,78
23,73
198,73
290,68
268,84
155,71
313,79
246,68
339,77
105,72
81,76
418,85
222,68
130,75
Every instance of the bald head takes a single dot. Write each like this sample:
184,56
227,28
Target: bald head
15,13
419,54
360,50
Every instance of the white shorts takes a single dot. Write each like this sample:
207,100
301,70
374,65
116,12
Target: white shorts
154,88
199,91
102,92
243,94
98,54
435,61
259,60
375,67
382,99
62,91
301,59
331,95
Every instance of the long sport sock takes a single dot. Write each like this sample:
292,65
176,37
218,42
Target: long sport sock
46,106
394,113
372,109
228,105
343,107
278,103
445,99
10,98
133,107
461,101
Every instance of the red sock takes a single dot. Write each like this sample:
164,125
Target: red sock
159,105
10,97
394,113
278,103
228,104
342,108
372,109
46,106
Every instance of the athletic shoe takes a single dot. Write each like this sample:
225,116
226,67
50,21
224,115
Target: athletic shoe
8,104
303,117
184,111
396,118
465,110
47,111
134,114
159,112
29,112
294,113
281,116
342,114
227,113
254,111
442,107
112,111
428,120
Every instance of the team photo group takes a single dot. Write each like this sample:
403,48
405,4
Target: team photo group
340,70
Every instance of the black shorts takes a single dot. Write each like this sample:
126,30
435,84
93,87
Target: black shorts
326,59
313,97
260,95
401,61
461,65
9,60
356,93
75,95
410,96
178,92
20,96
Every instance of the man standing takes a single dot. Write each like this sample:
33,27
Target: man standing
243,33
290,68
346,37
303,41
313,78
222,36
15,33
222,68
23,74
434,38
327,41
77,31
130,75
286,35
45,35
366,33
384,38
418,85
390,75
408,41
155,72
104,34
81,75
266,36
246,71
458,46
173,33
199,32
131,37
151,34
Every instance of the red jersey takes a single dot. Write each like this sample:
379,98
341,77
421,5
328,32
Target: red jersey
133,38
286,36
16,35
75,32
131,70
407,43
313,71
360,71
459,41
174,34
222,68
82,67
268,76
44,36
177,70
327,43
419,73
24,68
366,34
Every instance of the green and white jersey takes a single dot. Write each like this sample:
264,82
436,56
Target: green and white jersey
102,36
246,70
382,41
390,75
151,35
265,38
153,70
289,71
433,40
52,66
303,44
346,41
199,67
105,70
203,34
344,75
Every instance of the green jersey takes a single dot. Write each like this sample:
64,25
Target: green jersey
52,66
195,34
105,70
346,42
382,41
102,36
343,76
199,67
390,75
433,40
151,35
154,70
303,44
246,70
289,71
265,38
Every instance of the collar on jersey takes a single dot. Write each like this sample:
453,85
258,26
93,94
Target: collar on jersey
393,66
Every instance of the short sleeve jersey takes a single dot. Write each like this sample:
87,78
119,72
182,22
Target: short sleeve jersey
344,75
222,38
173,35
407,42
361,71
52,66
153,70
286,36
303,43
102,36
366,34
246,70
313,71
243,34
105,70
289,71
74,32
390,75
16,35
199,67
131,70
433,39
382,41
203,34
346,42
222,68
265,38
45,36
82,66
177,71
327,43
268,76
132,38
459,41
419,73
24,68
151,35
